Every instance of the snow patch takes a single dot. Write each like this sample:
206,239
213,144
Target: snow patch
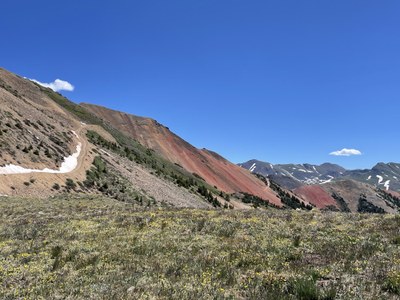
325,181
75,134
311,181
387,184
369,177
272,167
253,167
70,163
328,180
380,179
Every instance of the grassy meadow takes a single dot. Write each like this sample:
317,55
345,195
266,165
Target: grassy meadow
93,248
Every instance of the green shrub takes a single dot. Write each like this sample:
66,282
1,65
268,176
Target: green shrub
367,207
392,283
306,289
70,184
296,240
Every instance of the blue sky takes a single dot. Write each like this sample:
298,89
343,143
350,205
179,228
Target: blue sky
281,81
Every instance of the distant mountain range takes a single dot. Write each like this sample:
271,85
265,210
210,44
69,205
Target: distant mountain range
329,186
295,175
384,176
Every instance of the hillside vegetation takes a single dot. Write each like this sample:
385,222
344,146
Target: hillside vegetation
130,148
95,248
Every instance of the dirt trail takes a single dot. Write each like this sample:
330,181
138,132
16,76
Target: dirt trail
80,167
39,184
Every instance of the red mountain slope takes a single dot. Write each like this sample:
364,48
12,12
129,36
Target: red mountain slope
396,194
316,195
212,167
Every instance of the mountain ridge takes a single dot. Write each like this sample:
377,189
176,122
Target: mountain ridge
136,159
385,175
207,164
329,186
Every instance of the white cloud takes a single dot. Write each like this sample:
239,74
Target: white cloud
57,85
346,152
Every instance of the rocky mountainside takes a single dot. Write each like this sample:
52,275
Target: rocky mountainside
34,131
206,164
50,145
